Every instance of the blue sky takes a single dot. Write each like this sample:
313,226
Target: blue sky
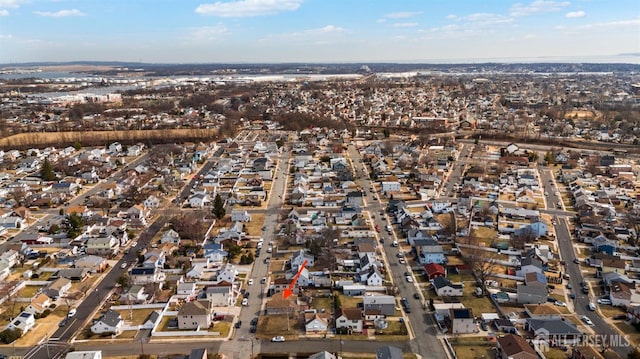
170,31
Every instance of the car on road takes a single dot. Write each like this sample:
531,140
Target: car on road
592,307
264,228
381,239
394,244
134,244
576,261
402,261
399,255
560,304
586,320
409,279
123,265
585,290
279,338
245,302
71,313
253,329
250,281
569,286
416,295
254,321
62,323
605,301
238,324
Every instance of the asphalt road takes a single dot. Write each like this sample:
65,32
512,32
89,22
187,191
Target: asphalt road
244,342
567,253
420,321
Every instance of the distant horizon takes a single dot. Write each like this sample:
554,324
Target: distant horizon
317,31
630,58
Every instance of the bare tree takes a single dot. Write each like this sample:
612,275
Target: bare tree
481,261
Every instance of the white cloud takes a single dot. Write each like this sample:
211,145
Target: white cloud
61,13
483,18
5,37
402,14
609,24
537,7
11,3
405,24
327,29
451,17
208,33
246,8
575,14
4,12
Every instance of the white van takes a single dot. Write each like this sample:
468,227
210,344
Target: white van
592,307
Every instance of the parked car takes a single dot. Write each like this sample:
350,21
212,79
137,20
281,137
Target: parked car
123,265
416,295
409,279
605,301
253,329
585,290
238,324
254,321
592,307
279,338
72,312
245,302
250,282
620,317
572,295
586,320
560,304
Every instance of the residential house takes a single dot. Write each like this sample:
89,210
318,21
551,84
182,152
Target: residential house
462,321
186,288
147,275
195,315
220,296
214,253
105,245
299,257
109,322
515,347
240,216
385,304
94,264
534,290
24,321
390,186
170,236
354,199
199,200
350,321
543,311
58,288
445,288
38,304
434,270
152,202
227,273
315,323
73,274
135,294
529,265
430,252
560,331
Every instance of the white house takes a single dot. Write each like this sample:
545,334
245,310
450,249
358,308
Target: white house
152,202
221,296
24,321
299,257
393,186
350,320
199,200
227,273
109,322
240,216
94,354
170,236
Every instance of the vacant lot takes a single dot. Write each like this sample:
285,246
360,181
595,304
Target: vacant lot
273,325
135,317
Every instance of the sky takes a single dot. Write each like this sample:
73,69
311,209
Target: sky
277,31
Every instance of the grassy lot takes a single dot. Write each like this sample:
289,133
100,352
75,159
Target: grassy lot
349,302
28,291
273,325
484,233
395,328
322,303
254,228
464,277
222,327
479,305
136,316
474,350
609,311
555,353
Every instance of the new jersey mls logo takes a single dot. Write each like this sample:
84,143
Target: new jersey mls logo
542,340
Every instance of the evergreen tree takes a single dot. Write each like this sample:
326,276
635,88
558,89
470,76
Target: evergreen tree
46,171
218,207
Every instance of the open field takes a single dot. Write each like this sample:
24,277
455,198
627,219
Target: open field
272,325
88,138
135,317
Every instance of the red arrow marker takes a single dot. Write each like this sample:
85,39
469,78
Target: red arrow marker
287,291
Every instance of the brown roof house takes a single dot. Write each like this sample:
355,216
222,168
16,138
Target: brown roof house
515,347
